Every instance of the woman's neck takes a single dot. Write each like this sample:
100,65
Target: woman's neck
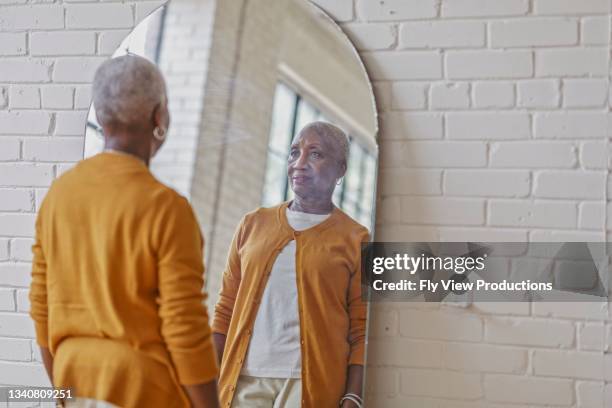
312,206
136,151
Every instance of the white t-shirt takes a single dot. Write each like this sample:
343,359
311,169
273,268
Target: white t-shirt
274,350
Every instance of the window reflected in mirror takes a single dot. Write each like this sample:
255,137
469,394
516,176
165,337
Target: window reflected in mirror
291,112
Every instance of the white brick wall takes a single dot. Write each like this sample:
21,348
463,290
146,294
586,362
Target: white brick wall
24,97
54,43
371,36
12,44
386,65
494,127
585,93
533,154
392,10
450,96
538,93
489,183
493,94
15,350
532,213
185,69
533,32
486,64
480,8
488,126
448,34
570,7
571,62
99,16
595,30
523,94
524,390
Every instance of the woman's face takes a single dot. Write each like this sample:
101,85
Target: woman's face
314,166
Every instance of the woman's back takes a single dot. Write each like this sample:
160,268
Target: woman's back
115,243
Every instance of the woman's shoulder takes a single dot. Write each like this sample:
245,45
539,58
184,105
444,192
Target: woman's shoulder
163,202
354,227
262,214
165,194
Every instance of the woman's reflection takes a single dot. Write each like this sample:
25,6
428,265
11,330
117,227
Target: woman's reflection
290,322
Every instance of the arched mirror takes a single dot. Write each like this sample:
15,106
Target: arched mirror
243,79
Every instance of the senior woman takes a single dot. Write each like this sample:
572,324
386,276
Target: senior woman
117,275
290,323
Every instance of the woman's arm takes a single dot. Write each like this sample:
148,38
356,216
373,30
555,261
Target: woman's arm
47,359
184,320
38,297
354,383
219,341
230,284
357,332
203,395
357,310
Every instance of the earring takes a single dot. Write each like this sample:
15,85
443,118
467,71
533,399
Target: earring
339,181
159,133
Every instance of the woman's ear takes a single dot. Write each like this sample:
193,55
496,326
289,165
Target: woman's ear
162,115
342,169
156,117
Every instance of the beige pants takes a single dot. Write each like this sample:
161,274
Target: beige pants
257,392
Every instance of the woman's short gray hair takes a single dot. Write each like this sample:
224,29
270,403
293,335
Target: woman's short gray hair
126,90
333,132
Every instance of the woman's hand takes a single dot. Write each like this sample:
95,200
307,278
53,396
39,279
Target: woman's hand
349,404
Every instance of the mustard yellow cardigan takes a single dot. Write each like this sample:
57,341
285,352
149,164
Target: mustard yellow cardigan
117,283
331,312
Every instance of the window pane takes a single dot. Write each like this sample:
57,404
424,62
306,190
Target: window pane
369,186
369,180
350,208
365,220
306,114
282,119
94,142
353,176
337,194
276,175
290,194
